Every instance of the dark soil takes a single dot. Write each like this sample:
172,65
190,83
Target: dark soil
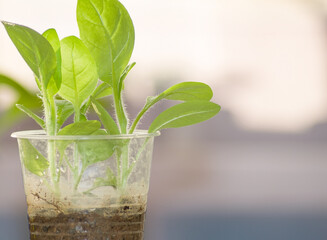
124,223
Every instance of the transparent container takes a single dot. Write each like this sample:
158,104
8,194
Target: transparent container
86,187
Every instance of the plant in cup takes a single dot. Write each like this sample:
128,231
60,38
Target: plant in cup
92,175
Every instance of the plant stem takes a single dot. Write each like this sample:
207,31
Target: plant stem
79,178
52,162
124,164
50,121
122,153
122,157
77,175
68,164
118,153
147,106
77,114
130,169
90,190
137,119
60,162
120,112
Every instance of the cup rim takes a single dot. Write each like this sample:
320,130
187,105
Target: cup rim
41,135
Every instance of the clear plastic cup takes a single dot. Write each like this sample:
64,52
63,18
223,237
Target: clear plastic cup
86,187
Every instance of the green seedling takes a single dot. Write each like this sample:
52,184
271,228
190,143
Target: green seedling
73,73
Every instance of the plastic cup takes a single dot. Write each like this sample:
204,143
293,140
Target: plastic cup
86,187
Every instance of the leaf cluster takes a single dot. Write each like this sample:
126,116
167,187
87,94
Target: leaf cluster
71,68
74,72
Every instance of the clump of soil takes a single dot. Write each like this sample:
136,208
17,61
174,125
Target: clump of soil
119,223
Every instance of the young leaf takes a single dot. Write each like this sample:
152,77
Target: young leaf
79,73
35,50
52,88
93,151
52,36
103,90
124,75
36,118
188,91
64,110
34,161
107,121
107,30
110,180
83,117
184,114
81,128
185,91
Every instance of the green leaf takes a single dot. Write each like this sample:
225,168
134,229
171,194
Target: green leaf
79,73
64,110
107,121
185,91
103,90
110,180
93,151
188,91
52,88
52,36
107,30
35,50
36,118
82,117
81,128
184,114
34,161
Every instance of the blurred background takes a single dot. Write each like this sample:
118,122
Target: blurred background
258,170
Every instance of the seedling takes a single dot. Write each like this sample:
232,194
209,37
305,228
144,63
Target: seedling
73,73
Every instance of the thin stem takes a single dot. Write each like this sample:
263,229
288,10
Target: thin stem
69,165
51,160
77,176
77,115
90,190
130,169
137,119
118,169
147,106
60,162
124,164
120,112
102,87
50,121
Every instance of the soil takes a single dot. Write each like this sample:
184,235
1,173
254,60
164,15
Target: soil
120,223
